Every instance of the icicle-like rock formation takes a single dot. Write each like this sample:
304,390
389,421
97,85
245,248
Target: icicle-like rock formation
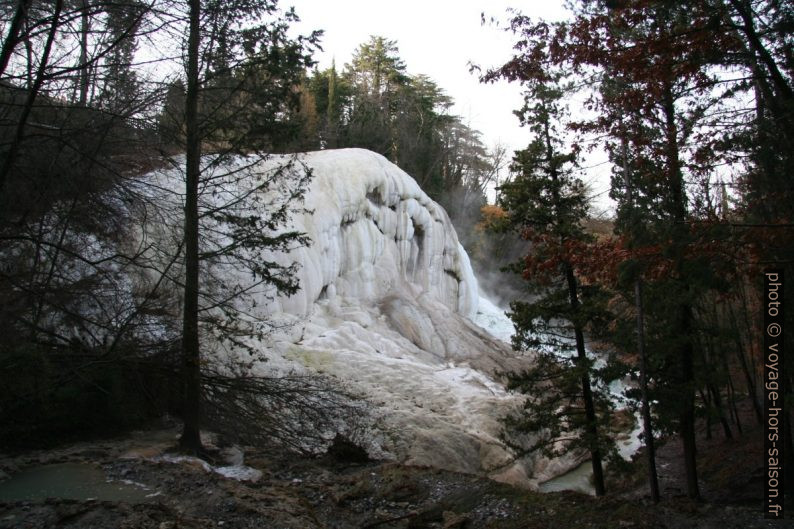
374,230
386,304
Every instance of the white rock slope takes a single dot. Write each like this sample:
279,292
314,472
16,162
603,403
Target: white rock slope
373,229
386,303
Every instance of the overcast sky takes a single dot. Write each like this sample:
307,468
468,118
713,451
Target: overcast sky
439,38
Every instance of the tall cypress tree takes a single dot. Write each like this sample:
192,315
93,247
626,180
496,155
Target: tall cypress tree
566,408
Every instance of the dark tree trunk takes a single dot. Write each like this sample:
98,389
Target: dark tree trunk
685,354
647,424
734,410
711,355
84,79
581,353
587,394
707,403
31,97
191,408
748,376
12,39
647,427
748,28
717,398
687,415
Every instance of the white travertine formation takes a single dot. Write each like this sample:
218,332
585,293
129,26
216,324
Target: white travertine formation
372,230
387,304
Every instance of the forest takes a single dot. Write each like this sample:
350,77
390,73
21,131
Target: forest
118,308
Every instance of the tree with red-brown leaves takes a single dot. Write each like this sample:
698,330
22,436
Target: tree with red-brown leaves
666,86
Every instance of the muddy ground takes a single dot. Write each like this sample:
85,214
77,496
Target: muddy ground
332,492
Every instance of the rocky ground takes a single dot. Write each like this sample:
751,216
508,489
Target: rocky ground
338,491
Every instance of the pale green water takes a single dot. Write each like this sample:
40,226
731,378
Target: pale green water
75,481
579,479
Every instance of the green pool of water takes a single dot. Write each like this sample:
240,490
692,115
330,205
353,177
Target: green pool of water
579,479
74,481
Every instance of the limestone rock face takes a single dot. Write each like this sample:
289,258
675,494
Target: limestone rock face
387,304
374,230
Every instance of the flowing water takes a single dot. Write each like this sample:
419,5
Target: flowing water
493,319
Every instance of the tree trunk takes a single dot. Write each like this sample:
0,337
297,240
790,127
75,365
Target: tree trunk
581,353
587,394
710,354
331,117
191,374
31,97
732,400
717,398
748,28
650,448
647,425
687,415
12,39
707,403
685,355
748,376
84,79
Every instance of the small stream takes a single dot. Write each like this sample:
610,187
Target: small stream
74,481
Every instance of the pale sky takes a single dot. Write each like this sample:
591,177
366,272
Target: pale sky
439,38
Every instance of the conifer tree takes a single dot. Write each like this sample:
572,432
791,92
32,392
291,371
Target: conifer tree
230,111
377,75
566,408
332,110
120,85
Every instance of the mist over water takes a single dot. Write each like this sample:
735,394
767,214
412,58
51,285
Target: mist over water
493,319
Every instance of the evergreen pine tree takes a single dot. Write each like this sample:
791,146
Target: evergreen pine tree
567,408
120,87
